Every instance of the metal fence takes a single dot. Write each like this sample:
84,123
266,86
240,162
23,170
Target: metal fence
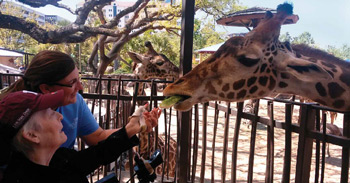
221,149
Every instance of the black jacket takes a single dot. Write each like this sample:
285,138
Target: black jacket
68,165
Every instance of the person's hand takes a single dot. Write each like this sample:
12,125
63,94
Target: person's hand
151,118
142,120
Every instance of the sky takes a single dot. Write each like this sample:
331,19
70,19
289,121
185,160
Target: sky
327,21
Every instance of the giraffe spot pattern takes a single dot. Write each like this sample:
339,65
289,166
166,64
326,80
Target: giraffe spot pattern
253,89
231,95
222,95
215,67
284,75
268,70
270,59
338,103
263,67
256,70
287,44
282,84
272,83
263,80
320,89
335,90
203,73
345,78
210,88
219,81
226,87
274,72
238,84
251,81
241,94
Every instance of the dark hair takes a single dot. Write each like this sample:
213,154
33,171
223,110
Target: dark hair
45,68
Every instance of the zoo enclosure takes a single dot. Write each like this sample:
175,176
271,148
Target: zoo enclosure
119,104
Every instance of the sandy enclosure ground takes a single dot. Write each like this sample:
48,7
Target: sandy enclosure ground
332,164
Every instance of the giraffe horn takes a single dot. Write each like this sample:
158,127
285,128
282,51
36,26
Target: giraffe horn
151,50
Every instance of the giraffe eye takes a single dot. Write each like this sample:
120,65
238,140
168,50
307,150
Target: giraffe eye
159,63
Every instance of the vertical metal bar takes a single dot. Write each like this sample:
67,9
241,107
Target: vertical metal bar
345,151
304,155
216,119
252,141
204,140
195,143
187,22
235,142
324,123
317,163
270,145
224,153
1,81
288,144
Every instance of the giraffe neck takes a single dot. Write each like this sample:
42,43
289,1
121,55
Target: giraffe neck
333,91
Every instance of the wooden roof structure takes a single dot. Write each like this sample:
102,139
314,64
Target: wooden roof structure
251,17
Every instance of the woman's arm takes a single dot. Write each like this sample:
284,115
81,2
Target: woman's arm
132,128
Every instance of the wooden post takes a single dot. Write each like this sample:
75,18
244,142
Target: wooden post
184,141
305,145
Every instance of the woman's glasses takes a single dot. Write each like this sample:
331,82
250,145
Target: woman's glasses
73,83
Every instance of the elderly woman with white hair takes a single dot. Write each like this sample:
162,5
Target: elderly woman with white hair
29,123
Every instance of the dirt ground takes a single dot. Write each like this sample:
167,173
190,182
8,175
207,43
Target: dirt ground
332,164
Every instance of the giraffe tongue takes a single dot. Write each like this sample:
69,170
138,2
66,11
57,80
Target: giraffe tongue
169,102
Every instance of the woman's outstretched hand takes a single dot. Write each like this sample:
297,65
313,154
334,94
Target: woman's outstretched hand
151,118
142,120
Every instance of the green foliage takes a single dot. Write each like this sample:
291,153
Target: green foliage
205,35
218,8
343,52
13,39
304,38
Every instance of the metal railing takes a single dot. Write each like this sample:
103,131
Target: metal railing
300,160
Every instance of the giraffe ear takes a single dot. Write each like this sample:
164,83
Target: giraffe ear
305,70
137,58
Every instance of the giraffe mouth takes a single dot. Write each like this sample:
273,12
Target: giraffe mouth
174,100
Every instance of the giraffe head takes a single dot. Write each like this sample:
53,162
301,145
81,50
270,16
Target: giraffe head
153,65
253,66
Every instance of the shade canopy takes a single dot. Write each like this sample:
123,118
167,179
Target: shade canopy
7,53
251,17
210,49
8,69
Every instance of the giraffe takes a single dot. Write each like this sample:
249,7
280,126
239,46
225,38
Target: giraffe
312,53
258,65
153,65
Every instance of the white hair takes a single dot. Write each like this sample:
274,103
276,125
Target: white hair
20,143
